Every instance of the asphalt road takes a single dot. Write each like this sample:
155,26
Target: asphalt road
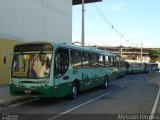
131,97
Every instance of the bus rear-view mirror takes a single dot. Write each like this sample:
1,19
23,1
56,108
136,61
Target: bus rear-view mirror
7,60
4,60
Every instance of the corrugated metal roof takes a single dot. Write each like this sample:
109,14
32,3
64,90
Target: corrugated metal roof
75,2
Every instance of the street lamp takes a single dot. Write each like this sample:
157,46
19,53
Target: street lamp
82,23
141,52
121,50
45,20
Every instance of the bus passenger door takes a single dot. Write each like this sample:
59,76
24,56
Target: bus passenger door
61,73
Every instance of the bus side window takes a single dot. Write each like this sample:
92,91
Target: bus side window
86,59
61,62
76,60
120,64
117,64
106,61
95,60
101,60
127,65
109,58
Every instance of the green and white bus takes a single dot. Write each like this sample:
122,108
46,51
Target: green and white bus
151,67
135,67
121,66
118,66
55,70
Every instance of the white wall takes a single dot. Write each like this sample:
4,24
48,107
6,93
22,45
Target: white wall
36,20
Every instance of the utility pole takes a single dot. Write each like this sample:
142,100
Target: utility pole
121,50
82,42
44,20
141,52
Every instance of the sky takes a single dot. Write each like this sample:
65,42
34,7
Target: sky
137,22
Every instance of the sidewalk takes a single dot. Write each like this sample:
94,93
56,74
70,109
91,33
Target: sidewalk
154,77
6,98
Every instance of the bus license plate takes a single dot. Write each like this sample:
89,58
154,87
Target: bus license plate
28,91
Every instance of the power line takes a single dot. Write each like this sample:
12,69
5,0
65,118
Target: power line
109,23
96,22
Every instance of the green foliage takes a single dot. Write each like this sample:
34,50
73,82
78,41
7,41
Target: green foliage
154,55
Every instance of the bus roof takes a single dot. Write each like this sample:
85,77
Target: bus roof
31,46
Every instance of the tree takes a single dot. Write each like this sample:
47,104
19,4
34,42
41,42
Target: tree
154,55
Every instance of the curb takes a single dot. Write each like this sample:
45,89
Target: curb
4,103
154,79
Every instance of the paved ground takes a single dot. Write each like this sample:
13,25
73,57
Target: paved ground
131,95
6,98
154,77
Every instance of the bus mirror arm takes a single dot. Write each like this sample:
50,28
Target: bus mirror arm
4,60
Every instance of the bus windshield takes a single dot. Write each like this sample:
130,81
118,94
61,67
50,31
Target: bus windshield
31,65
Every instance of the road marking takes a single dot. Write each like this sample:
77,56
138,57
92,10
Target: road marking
155,106
79,106
21,103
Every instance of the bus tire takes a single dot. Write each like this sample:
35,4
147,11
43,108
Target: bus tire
74,91
105,84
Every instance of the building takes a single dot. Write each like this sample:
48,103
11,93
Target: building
34,20
129,53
